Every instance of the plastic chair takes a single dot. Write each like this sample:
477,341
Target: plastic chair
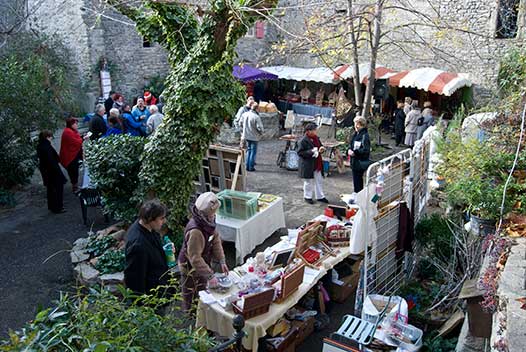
358,330
89,197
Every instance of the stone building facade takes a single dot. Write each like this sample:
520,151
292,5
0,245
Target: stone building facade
472,45
92,38
474,49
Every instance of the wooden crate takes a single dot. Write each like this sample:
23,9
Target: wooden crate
290,283
255,304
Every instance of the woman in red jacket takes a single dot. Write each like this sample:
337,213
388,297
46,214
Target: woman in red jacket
71,151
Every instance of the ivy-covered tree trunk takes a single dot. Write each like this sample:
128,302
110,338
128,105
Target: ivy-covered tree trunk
201,91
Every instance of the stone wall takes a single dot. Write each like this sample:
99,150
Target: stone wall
133,65
91,37
473,49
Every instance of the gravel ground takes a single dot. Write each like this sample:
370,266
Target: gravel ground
36,264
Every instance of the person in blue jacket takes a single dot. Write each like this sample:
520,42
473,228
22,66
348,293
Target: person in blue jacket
131,126
115,125
141,113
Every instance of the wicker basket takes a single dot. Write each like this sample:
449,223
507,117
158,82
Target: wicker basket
255,304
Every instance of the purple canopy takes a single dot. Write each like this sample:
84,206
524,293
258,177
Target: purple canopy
248,73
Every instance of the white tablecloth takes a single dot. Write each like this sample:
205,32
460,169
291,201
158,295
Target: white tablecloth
247,234
216,318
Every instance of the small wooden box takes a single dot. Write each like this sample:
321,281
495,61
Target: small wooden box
312,235
255,304
291,282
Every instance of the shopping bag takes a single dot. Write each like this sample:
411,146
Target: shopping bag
289,120
291,160
374,304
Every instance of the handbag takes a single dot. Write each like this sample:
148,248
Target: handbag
291,160
362,164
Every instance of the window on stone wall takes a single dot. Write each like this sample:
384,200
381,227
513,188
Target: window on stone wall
146,43
507,19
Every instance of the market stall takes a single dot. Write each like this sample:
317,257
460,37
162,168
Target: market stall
317,94
313,259
252,231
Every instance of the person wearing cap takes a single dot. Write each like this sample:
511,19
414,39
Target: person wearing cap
201,247
146,266
149,99
310,165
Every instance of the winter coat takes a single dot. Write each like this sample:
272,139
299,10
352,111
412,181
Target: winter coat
133,128
307,161
399,123
251,126
70,146
361,147
49,164
112,131
137,113
145,260
428,122
153,122
108,104
97,127
411,121
239,114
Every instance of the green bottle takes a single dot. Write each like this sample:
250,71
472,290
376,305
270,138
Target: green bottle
168,251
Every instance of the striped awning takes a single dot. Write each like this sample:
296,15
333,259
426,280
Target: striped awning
344,72
431,80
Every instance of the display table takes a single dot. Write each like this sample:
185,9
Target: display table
247,234
218,319
312,110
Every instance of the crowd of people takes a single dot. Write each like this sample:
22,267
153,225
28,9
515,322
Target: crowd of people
114,117
411,122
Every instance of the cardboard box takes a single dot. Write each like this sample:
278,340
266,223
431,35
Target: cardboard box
340,292
286,343
305,328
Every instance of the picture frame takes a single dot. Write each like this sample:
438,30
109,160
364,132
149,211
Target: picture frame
282,258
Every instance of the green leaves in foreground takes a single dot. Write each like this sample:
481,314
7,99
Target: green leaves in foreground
101,322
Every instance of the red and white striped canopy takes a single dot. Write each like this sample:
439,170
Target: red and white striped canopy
428,79
344,72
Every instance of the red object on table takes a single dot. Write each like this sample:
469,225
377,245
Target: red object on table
329,212
311,255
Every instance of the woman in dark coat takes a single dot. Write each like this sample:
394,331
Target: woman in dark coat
359,150
399,117
52,175
310,150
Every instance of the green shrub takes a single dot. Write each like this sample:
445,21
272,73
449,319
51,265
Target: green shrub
37,86
101,322
112,261
97,246
114,164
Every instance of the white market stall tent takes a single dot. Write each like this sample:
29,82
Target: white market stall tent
428,79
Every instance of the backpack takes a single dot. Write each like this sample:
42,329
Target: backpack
420,121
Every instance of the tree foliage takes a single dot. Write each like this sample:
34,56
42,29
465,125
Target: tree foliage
200,89
36,86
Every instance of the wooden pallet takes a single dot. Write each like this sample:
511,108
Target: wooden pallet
222,168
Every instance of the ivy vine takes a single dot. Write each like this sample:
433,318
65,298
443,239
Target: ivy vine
200,89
